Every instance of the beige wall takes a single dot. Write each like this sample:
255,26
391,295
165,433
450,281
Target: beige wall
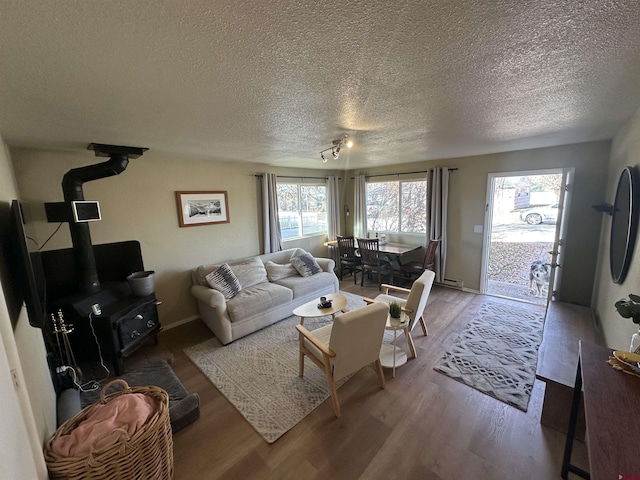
27,414
617,331
467,198
139,204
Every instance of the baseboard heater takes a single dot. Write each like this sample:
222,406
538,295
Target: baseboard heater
449,282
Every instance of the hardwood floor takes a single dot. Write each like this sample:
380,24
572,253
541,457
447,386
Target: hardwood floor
423,425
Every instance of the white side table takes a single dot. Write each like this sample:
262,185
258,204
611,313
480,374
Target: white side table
391,356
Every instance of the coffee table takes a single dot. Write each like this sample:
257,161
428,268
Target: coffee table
311,310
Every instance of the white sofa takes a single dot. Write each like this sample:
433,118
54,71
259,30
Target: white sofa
260,304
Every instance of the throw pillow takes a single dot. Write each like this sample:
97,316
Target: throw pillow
275,271
249,272
224,280
305,264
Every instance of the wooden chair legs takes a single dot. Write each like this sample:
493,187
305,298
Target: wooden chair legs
424,326
380,373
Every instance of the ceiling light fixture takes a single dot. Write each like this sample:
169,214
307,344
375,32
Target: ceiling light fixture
335,148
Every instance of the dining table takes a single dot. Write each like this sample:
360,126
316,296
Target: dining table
392,250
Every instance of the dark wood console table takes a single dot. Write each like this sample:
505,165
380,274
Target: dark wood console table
611,401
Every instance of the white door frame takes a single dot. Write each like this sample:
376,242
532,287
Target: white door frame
567,175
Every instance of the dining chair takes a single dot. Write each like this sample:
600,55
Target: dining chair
372,261
414,268
413,305
349,261
351,342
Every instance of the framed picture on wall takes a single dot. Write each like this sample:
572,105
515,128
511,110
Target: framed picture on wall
202,208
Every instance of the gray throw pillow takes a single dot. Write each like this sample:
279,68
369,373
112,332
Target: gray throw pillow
305,264
249,271
224,280
275,271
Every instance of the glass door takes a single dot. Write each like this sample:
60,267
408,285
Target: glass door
523,241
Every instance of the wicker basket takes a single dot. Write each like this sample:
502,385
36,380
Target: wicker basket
147,454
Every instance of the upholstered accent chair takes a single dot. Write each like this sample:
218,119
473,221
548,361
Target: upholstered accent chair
349,260
414,269
373,261
345,346
414,304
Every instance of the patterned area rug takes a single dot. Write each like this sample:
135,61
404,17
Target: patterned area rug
497,353
258,374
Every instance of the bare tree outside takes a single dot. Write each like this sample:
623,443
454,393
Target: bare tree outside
397,206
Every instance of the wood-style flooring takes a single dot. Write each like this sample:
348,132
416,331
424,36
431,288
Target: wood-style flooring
423,425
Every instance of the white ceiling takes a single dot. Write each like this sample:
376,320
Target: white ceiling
276,81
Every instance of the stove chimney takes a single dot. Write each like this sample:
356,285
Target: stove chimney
72,189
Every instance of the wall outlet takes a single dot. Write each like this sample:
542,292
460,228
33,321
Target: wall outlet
95,308
14,377
477,229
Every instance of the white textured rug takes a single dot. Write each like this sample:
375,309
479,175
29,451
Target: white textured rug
258,374
497,353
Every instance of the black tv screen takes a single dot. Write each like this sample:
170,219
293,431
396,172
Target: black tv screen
27,268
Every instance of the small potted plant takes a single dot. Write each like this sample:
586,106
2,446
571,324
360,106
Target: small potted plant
394,312
631,309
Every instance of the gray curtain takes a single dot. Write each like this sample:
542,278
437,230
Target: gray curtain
333,208
360,207
271,225
437,199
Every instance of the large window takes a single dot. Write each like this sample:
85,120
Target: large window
302,209
397,206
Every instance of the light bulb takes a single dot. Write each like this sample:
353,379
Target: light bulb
349,144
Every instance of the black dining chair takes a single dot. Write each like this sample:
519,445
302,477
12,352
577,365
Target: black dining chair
372,261
347,255
413,269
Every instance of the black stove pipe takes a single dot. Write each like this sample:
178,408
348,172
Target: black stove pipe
80,234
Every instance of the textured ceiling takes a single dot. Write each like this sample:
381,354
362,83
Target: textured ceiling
276,81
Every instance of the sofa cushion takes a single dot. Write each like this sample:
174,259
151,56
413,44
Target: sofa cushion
249,271
199,274
275,271
258,299
305,264
224,281
319,283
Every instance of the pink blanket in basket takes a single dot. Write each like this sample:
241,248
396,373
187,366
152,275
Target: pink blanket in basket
128,412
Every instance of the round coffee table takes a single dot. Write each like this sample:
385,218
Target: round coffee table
311,310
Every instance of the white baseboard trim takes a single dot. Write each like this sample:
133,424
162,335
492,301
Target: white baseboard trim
471,290
180,322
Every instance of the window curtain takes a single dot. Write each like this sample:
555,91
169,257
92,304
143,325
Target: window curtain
437,199
333,208
360,207
271,225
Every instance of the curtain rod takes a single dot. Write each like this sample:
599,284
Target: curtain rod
298,176
401,173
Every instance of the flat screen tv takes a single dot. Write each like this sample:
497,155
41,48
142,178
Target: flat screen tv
26,266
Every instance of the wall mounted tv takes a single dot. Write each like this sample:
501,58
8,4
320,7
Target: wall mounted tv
26,266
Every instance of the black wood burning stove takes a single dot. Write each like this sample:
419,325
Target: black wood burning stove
87,284
125,321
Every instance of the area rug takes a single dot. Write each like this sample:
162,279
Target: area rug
258,374
497,353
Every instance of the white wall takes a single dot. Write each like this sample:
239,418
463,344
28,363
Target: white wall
27,414
617,331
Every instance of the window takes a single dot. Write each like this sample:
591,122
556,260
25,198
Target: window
302,209
397,206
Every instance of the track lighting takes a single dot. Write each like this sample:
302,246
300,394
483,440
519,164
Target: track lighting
335,148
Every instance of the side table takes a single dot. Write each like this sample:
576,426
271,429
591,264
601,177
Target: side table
392,356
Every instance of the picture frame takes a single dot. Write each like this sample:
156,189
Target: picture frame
197,208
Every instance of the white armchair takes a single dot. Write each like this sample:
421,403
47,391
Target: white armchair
351,342
414,305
